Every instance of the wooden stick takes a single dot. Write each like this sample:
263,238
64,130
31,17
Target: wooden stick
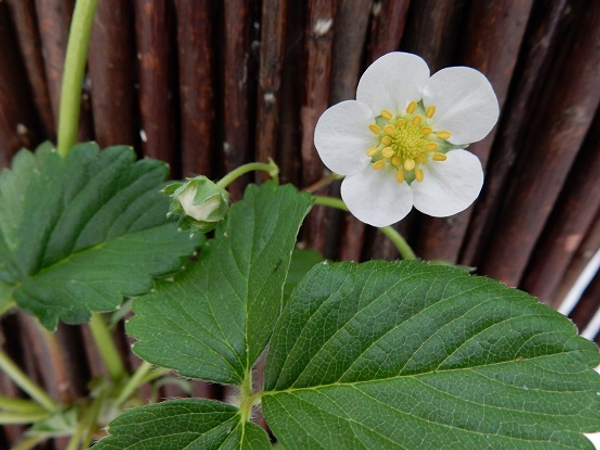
18,121
546,33
551,148
492,46
196,78
269,80
111,60
236,124
156,95
26,25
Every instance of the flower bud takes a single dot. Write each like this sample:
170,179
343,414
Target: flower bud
199,202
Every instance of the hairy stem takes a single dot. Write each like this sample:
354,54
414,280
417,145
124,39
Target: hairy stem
271,168
396,238
106,346
322,182
25,383
19,405
29,443
12,417
70,95
133,383
400,243
246,398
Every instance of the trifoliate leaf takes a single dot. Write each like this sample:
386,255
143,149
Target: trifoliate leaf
78,233
408,355
189,424
216,318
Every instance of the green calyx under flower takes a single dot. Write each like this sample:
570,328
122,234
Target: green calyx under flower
200,203
406,141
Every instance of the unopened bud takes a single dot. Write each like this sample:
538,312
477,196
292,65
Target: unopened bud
199,202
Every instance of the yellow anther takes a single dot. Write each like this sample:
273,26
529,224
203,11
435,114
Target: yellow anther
430,111
379,164
386,114
443,135
400,123
400,176
416,120
386,140
426,131
372,151
387,152
421,158
431,146
439,157
412,107
419,175
409,164
389,129
396,160
374,128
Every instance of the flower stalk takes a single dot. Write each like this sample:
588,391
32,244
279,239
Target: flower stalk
271,168
405,250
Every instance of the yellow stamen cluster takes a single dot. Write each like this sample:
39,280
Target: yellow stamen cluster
405,141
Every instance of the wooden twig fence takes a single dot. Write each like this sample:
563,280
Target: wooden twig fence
210,85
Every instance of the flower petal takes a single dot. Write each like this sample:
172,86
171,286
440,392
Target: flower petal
376,198
393,81
342,137
465,103
450,186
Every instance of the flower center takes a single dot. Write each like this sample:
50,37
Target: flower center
406,141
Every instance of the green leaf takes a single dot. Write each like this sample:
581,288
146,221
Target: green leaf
189,424
301,263
216,318
408,355
79,233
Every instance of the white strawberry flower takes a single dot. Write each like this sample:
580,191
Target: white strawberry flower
401,142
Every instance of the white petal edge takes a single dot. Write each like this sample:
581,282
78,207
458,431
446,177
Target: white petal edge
392,82
450,186
342,137
465,103
376,198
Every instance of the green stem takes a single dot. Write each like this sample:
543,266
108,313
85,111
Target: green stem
74,70
271,168
154,374
400,243
12,417
246,397
90,420
396,238
106,346
133,383
29,443
19,377
322,182
20,405
331,202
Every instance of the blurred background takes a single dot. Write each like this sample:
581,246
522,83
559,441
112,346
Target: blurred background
207,86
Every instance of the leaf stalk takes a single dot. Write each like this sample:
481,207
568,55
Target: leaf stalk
74,70
27,384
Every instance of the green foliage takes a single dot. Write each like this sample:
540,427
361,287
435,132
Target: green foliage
184,424
405,355
409,355
216,318
78,233
302,262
